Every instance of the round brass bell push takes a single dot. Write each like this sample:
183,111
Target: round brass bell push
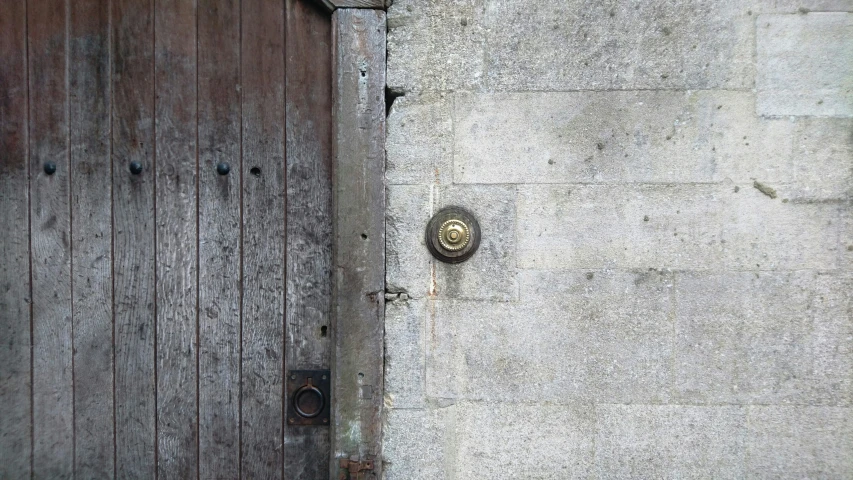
453,235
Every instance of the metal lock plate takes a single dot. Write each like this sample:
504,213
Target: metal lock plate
453,235
308,400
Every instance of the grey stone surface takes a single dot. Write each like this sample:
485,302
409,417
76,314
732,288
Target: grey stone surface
806,6
415,444
436,45
822,160
803,65
845,244
664,288
481,45
768,338
670,441
510,441
488,275
701,227
407,261
646,136
799,442
419,145
405,366
594,45
575,337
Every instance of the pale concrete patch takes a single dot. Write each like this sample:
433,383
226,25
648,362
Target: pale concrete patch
799,442
670,441
704,227
804,65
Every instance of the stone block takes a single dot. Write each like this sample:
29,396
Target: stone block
594,45
443,379
697,227
804,7
414,444
845,247
764,338
574,337
821,166
507,441
646,137
419,145
405,366
407,261
490,273
799,442
803,64
436,45
670,441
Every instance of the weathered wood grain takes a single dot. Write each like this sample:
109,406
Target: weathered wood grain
262,60
176,238
359,241
219,238
91,241
50,242
309,219
16,419
331,5
134,304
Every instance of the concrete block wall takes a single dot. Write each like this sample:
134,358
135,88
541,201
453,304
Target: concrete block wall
665,283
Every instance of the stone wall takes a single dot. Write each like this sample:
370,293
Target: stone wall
665,280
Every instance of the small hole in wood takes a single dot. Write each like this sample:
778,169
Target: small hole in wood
324,331
364,236
255,171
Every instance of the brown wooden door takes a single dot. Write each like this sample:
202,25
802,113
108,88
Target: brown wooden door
165,205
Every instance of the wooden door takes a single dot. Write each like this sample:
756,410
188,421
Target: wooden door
167,236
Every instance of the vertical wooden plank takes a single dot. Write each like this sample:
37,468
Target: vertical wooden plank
16,420
219,238
263,237
133,237
91,242
50,242
359,241
176,237
309,218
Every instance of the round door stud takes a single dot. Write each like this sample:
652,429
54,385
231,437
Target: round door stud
223,168
453,235
49,168
135,168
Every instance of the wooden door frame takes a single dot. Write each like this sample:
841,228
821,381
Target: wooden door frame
358,249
